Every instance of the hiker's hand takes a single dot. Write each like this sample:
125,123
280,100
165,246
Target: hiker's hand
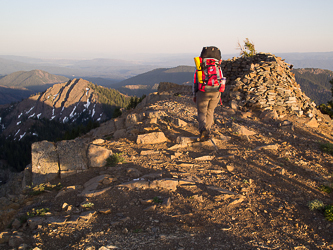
195,99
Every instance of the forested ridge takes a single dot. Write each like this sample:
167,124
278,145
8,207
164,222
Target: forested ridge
315,83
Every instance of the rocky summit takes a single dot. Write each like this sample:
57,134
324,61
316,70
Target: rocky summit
144,181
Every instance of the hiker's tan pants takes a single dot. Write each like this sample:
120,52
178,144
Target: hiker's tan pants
206,104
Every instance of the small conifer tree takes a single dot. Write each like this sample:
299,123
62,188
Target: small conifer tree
328,108
248,49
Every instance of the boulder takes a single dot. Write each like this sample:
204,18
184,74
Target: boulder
179,122
15,241
119,134
132,119
72,156
97,156
312,123
241,130
44,160
119,123
104,129
4,237
151,138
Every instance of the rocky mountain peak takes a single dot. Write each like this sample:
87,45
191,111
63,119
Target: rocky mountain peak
63,102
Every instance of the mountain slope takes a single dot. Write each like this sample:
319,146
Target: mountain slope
10,95
75,101
315,83
31,78
147,82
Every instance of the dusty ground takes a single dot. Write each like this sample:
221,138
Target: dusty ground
246,197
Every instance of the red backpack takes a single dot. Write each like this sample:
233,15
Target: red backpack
209,75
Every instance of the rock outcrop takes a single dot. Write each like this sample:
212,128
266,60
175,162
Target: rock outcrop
57,160
265,82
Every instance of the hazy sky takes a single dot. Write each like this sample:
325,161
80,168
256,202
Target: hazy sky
110,28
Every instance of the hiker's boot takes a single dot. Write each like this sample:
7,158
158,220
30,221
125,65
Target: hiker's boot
204,135
209,135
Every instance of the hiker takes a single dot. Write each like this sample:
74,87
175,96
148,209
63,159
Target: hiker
207,84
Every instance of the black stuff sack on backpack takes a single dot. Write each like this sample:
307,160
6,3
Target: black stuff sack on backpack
211,52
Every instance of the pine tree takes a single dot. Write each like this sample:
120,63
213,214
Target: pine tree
248,49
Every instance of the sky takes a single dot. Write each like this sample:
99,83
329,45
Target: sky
87,29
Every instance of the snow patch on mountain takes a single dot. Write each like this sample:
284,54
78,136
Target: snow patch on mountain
21,136
29,110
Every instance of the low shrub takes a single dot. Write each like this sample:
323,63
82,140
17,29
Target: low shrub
329,213
315,205
114,159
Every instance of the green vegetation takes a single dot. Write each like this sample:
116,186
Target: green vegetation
319,205
315,83
157,200
88,205
38,212
79,130
248,49
327,148
329,213
328,108
315,205
41,188
325,189
134,101
114,160
110,97
34,212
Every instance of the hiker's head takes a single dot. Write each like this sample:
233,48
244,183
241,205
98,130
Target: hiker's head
211,52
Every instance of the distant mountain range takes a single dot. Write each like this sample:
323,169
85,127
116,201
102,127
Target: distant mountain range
141,77
314,82
111,69
115,70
